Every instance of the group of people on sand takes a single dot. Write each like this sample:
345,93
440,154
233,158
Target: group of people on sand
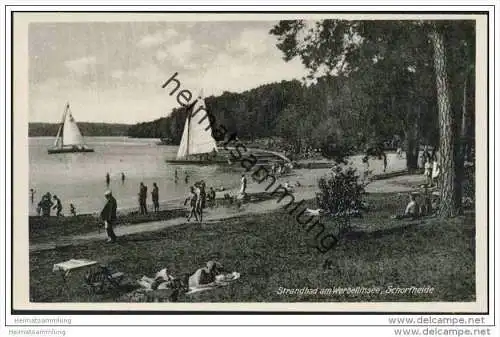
200,197
197,200
143,196
50,202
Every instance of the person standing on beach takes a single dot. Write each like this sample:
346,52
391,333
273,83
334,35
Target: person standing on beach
176,176
202,198
428,171
423,158
123,178
143,195
399,152
211,196
45,205
32,192
366,164
155,197
192,198
108,179
108,215
186,179
58,205
72,209
435,173
243,187
385,161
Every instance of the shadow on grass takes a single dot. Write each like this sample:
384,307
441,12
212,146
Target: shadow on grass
271,251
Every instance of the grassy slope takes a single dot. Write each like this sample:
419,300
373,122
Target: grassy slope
47,229
272,251
43,229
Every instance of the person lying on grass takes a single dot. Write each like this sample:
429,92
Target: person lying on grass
205,275
162,280
411,211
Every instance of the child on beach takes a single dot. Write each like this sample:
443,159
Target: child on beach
58,205
428,171
72,209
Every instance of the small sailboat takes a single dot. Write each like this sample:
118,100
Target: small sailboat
69,139
197,146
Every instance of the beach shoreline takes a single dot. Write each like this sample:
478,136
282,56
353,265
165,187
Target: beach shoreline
307,173
259,202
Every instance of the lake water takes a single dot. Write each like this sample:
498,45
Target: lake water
79,178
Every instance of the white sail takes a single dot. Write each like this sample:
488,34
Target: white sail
71,133
183,147
197,137
57,142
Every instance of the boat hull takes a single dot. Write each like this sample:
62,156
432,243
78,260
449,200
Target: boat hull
69,150
196,162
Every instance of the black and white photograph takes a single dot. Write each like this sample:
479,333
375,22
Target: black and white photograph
280,162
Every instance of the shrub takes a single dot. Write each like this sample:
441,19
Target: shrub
341,195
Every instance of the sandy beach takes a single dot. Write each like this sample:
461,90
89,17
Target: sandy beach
307,178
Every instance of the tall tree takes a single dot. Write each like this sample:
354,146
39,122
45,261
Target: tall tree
350,47
446,126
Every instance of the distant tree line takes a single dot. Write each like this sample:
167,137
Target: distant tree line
352,112
87,129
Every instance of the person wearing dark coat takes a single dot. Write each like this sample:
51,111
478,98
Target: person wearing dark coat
108,216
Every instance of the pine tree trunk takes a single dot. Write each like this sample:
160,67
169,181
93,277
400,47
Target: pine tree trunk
465,119
447,181
461,148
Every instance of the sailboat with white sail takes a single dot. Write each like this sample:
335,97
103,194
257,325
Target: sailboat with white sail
69,139
197,146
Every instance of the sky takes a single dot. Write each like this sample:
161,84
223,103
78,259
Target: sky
113,72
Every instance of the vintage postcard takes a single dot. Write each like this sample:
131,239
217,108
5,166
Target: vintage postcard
250,162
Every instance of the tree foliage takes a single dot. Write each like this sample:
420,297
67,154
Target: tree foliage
415,69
